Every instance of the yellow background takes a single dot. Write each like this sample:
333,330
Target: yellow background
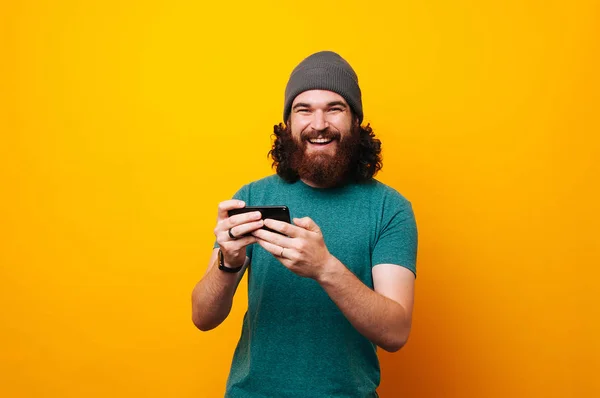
123,124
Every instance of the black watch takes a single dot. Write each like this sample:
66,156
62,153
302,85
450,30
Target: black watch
222,266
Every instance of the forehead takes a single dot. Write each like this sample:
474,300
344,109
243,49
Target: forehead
318,97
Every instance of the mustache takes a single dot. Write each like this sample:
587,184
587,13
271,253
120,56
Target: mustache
327,134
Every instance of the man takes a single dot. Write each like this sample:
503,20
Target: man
339,280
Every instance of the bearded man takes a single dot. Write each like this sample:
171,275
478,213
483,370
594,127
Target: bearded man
329,288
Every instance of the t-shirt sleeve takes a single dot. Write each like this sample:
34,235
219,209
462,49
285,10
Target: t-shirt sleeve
398,239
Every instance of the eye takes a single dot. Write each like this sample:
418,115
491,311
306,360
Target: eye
303,110
335,109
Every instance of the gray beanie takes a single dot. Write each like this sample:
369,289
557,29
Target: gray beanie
324,70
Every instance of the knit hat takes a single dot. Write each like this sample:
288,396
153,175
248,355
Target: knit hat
324,70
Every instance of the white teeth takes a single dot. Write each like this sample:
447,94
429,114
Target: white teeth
320,141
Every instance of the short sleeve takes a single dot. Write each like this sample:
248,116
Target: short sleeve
398,239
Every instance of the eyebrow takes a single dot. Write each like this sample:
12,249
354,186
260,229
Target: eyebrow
330,104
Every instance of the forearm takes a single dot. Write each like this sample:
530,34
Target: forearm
380,319
212,298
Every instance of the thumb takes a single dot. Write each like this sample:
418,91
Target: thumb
307,223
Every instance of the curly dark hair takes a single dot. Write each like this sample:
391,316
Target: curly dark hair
367,163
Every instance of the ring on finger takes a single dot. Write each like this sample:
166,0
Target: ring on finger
232,236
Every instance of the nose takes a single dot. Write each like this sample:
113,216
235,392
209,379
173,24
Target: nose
319,121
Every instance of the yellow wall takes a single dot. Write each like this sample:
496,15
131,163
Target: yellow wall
123,124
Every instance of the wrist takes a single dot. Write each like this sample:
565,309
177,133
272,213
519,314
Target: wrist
231,261
226,266
329,271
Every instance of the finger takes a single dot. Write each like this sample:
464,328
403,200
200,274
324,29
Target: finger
307,223
227,205
270,247
274,238
245,229
276,251
283,227
229,245
242,218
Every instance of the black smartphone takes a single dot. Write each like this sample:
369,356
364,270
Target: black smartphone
281,213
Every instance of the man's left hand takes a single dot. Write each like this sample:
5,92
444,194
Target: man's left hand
302,251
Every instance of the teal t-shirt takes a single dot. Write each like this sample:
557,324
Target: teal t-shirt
295,341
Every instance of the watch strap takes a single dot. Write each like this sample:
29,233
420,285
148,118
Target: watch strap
223,268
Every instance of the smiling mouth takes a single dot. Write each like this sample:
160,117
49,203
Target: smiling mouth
320,141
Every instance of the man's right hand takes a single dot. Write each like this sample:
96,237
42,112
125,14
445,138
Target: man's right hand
230,232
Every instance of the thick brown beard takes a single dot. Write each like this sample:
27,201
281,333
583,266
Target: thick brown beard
366,165
324,170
